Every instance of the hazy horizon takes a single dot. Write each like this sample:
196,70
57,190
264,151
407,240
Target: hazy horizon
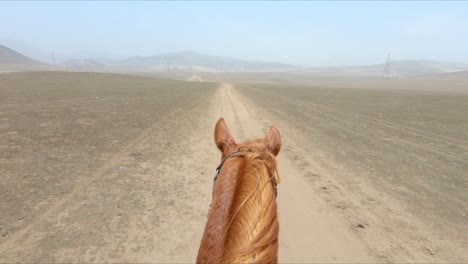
300,33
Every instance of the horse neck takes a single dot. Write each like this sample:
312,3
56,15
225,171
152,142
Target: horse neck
242,224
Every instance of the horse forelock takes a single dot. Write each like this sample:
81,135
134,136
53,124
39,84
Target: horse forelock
252,232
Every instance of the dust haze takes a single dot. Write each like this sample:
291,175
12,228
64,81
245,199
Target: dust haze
111,158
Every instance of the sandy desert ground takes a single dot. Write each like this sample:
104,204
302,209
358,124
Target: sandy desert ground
116,168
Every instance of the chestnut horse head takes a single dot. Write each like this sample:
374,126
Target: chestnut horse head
242,224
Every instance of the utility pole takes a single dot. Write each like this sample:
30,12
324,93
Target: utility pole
386,73
168,65
52,56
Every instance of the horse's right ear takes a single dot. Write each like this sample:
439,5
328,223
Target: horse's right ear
273,140
222,136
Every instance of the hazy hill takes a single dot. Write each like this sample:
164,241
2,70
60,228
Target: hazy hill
88,65
398,68
11,60
9,56
179,61
458,75
198,61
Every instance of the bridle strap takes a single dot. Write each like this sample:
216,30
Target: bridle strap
237,153
218,169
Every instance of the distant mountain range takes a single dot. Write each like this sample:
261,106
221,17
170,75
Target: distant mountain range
181,61
193,62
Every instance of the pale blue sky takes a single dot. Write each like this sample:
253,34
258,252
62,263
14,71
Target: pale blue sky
306,33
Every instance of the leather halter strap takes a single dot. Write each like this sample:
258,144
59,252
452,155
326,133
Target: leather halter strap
218,169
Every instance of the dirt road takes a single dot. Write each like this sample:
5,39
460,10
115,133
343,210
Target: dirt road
309,230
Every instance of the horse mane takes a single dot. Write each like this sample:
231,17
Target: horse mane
244,212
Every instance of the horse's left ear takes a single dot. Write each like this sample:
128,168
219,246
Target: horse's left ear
273,140
222,136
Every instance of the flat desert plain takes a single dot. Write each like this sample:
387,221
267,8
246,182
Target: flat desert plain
118,168
393,162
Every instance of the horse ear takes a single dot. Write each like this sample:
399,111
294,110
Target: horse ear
273,140
222,136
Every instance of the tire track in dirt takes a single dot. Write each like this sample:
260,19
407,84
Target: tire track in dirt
352,128
387,124
395,126
309,231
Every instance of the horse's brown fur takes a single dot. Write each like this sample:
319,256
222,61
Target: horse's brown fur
242,224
